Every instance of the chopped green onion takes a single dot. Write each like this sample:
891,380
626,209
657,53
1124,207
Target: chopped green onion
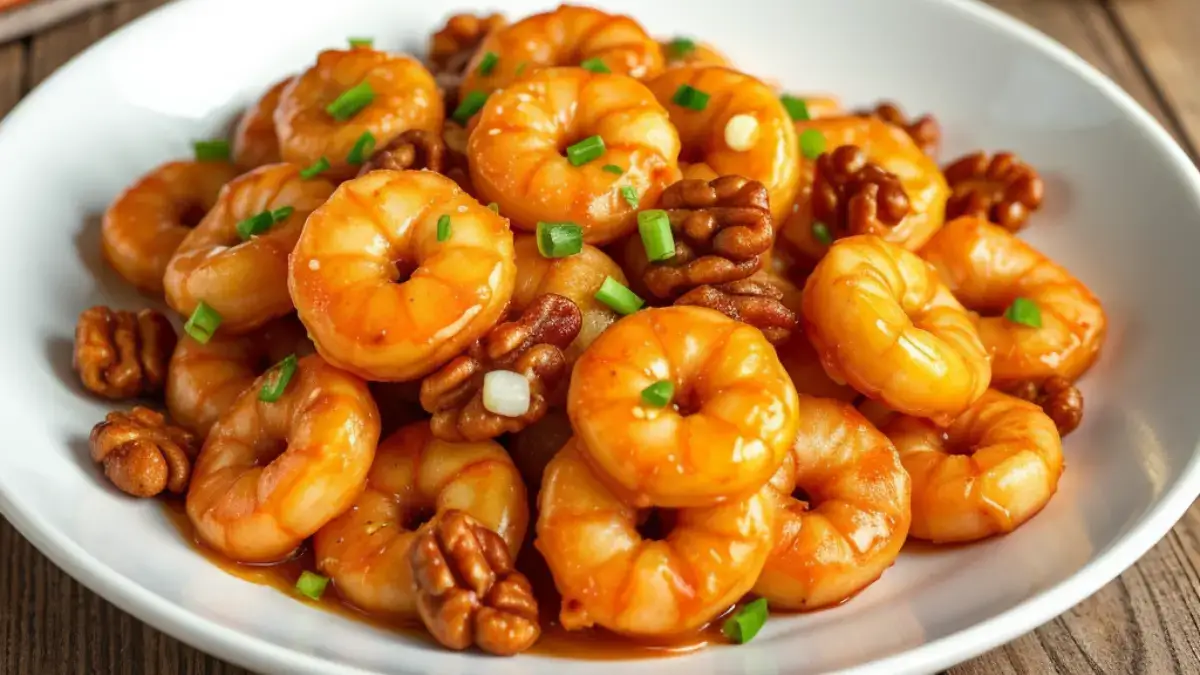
313,170
494,207
521,68
1025,312
471,104
631,196
659,394
202,323
559,240
277,379
282,213
688,97
311,585
595,65
443,228
361,42
362,149
351,101
680,47
821,233
488,63
618,297
655,229
796,107
585,151
255,224
746,622
211,151
812,143
613,168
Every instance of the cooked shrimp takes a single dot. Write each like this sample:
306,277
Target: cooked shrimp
255,142
688,53
987,267
203,380
891,148
852,518
991,470
414,479
883,322
405,97
147,222
725,432
516,151
271,474
767,151
381,229
608,574
803,365
566,36
244,280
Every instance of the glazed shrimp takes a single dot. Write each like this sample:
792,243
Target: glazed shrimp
416,478
566,36
255,142
803,365
609,575
987,267
516,151
405,97
147,222
767,151
727,429
853,517
380,229
271,474
244,280
991,470
203,380
883,322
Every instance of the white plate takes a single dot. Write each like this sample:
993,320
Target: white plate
1122,204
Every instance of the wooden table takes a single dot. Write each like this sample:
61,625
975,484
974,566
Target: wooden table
1147,621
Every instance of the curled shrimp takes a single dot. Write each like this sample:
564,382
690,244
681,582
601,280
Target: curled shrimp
203,380
405,97
147,222
727,429
987,267
255,142
566,36
770,156
516,151
244,280
803,365
991,470
384,289
414,479
689,53
608,574
852,518
883,322
272,473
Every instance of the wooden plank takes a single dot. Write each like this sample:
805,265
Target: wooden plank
12,75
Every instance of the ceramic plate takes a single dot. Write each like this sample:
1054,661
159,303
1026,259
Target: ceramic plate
1121,212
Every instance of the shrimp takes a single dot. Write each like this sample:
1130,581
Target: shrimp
255,142
203,380
566,36
273,473
687,53
987,267
767,152
990,471
853,517
883,322
516,151
608,574
891,148
405,96
414,479
147,222
725,432
803,365
244,280
383,228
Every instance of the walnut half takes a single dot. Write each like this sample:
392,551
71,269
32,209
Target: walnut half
750,301
1001,188
851,195
142,454
121,354
925,130
414,149
1059,398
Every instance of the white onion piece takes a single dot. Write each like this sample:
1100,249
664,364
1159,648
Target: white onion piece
506,393
741,132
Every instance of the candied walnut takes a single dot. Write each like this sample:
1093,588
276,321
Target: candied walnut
530,346
468,591
924,130
1059,398
750,301
851,195
121,354
413,149
722,229
142,454
1002,189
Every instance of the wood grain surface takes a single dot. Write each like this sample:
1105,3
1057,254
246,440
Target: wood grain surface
1147,621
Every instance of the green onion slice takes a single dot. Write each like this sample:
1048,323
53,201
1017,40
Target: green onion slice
585,151
659,394
255,224
311,584
203,322
1025,312
443,225
655,229
494,207
680,47
797,108
281,213
471,104
277,379
812,143
215,150
821,233
631,196
622,300
746,622
613,169
362,149
361,42
691,98
559,240
595,65
313,170
488,63
521,68
351,101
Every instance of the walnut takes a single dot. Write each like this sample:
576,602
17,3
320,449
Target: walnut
121,354
925,130
1002,189
722,229
851,195
413,149
1059,398
531,345
468,591
751,301
142,454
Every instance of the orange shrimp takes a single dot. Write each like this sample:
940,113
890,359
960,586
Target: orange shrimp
255,142
803,365
687,53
